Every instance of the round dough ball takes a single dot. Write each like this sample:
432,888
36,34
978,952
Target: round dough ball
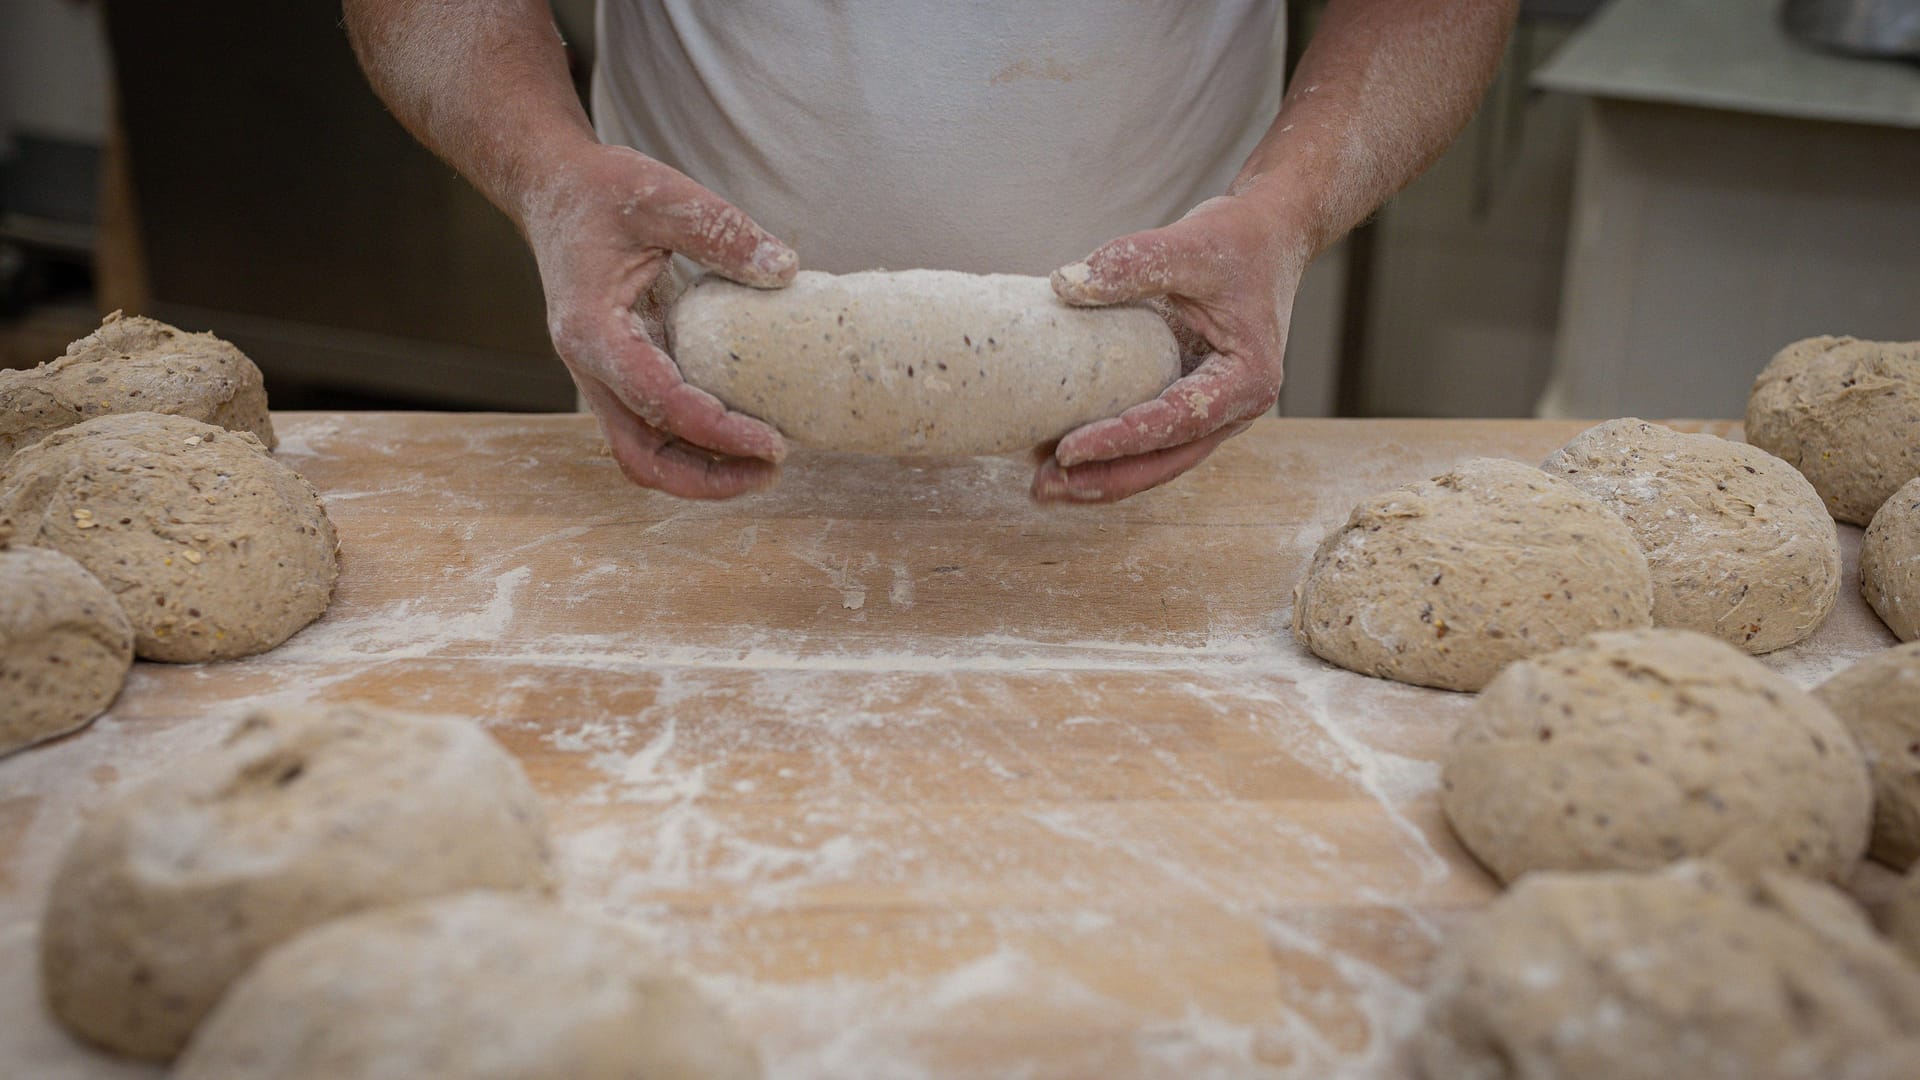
134,365
1688,973
478,986
214,549
1844,412
1631,750
918,362
65,646
1878,699
1890,562
298,817
1444,582
1739,543
1903,915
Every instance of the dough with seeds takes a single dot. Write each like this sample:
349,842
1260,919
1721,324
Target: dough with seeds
65,646
478,986
1631,750
1890,562
1444,582
1739,543
1878,699
214,549
134,364
1844,412
1692,973
298,816
918,362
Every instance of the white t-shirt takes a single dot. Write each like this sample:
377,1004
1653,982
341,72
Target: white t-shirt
992,135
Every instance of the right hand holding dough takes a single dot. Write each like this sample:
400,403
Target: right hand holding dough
603,229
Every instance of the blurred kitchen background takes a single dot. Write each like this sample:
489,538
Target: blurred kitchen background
1656,195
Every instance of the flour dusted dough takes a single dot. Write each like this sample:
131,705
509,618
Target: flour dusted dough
1878,699
214,549
1739,543
1631,750
471,987
1903,915
1844,412
1444,582
1687,974
1890,562
134,365
918,362
297,817
65,646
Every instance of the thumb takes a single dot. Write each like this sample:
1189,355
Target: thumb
1134,267
719,236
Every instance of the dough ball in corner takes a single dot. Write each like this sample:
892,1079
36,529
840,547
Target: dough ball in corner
1444,582
1739,543
1689,972
297,817
65,646
1890,562
1632,750
215,549
1843,412
134,364
1878,699
478,986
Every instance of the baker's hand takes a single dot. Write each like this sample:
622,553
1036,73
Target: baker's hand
602,229
1227,277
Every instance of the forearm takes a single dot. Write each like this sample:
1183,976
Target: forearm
1380,92
482,83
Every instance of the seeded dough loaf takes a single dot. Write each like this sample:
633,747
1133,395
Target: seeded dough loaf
65,646
214,549
1630,750
1691,973
1878,699
1444,582
1739,543
478,986
299,816
918,362
134,364
1844,412
1890,562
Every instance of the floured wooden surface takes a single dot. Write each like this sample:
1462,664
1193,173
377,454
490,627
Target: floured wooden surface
917,777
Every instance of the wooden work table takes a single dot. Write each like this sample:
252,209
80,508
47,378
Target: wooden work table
919,778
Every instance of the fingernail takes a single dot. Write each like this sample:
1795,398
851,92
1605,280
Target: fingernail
773,258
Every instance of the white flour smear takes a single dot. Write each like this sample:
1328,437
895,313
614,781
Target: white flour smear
882,792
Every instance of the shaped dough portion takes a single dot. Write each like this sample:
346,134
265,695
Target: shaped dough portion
918,362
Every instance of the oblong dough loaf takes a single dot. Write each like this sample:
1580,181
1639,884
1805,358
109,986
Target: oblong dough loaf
918,362
65,646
